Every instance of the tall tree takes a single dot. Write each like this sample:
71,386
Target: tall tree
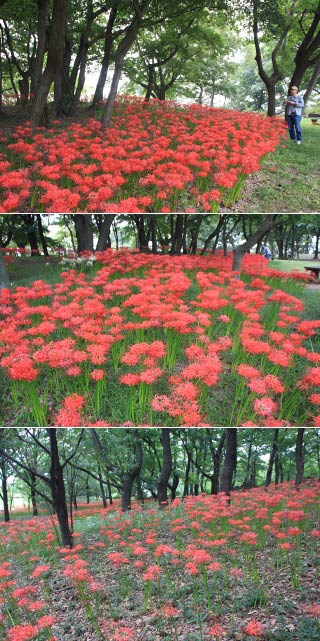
299,456
132,471
265,226
166,467
273,454
56,42
4,278
230,460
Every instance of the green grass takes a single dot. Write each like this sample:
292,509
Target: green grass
24,271
292,265
289,178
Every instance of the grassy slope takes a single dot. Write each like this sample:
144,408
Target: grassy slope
289,178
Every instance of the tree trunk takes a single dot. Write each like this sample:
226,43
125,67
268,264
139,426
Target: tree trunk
42,236
277,467
54,59
32,234
273,454
216,458
230,460
151,82
87,490
177,240
240,251
195,234
102,490
131,475
307,49
271,88
139,220
122,51
84,232
58,489
33,486
4,278
43,7
153,229
4,491
253,476
316,251
187,472
166,468
174,486
246,482
299,456
277,74
108,42
104,241
63,90
214,234
312,82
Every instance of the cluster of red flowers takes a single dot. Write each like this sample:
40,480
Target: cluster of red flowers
212,543
25,600
93,327
152,154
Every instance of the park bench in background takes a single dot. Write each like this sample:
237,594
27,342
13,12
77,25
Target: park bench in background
314,118
315,270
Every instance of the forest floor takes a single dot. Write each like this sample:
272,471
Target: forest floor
287,182
197,571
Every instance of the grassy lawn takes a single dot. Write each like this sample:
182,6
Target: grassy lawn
289,178
292,265
24,271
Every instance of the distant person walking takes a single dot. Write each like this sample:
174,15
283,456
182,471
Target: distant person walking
294,105
265,251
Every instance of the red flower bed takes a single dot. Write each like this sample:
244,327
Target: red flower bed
162,335
157,156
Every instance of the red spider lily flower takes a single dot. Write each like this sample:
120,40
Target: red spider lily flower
169,611
117,558
23,632
313,609
46,621
217,631
40,570
265,406
153,572
286,546
254,628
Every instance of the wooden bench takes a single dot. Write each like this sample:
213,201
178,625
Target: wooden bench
314,270
314,118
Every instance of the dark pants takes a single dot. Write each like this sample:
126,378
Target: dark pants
295,127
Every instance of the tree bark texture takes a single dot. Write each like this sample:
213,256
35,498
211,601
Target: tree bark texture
299,456
132,474
4,490
58,489
54,59
166,468
121,53
230,460
273,454
4,278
